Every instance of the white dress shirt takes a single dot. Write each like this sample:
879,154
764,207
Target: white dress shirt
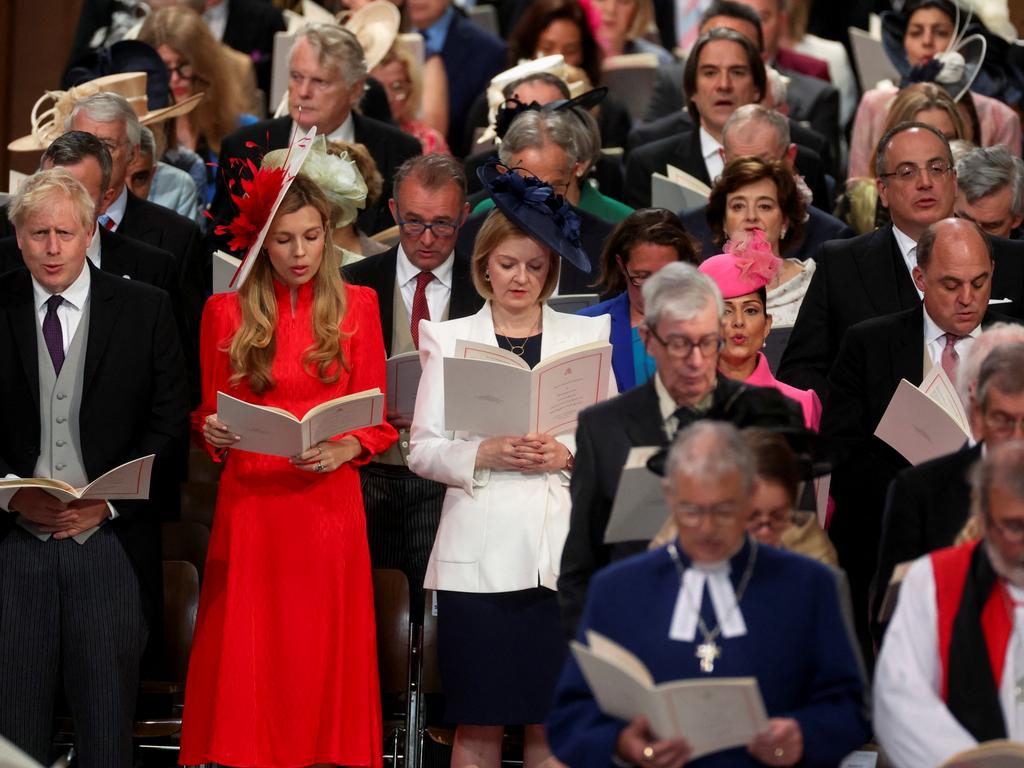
115,211
438,290
93,250
709,150
935,341
912,722
216,18
908,250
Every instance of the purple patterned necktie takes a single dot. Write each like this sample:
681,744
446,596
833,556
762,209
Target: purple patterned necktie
53,334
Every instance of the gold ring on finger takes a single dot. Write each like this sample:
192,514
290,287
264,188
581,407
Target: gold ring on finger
648,753
779,752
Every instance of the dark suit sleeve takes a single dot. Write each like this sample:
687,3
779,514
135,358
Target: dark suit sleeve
584,550
805,363
843,418
166,430
638,181
666,97
901,541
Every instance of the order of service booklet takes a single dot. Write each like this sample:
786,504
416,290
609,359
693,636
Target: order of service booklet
128,481
924,422
276,432
712,714
491,391
403,374
989,754
639,509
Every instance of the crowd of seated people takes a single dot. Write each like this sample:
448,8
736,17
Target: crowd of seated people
795,301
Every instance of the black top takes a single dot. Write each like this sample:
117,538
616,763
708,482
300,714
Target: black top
527,348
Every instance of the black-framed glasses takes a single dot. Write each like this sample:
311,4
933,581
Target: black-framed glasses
440,229
680,346
637,279
184,71
908,171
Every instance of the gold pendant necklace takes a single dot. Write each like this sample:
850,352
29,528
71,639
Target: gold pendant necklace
708,650
518,349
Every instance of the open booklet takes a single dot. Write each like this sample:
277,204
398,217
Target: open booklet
128,481
639,508
989,754
403,374
677,190
224,268
712,714
276,432
12,757
925,422
490,391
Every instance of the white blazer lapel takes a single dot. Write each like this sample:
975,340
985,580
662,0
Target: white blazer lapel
559,333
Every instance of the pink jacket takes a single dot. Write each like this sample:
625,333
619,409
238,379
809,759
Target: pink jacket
808,398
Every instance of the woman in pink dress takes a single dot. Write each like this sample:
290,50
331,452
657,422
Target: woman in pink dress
284,664
742,273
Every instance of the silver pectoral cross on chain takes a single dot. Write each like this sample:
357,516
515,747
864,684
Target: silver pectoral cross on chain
707,652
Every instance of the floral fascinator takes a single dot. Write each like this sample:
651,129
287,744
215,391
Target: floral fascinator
257,197
533,206
745,265
336,175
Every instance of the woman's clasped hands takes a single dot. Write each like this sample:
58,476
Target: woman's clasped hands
534,452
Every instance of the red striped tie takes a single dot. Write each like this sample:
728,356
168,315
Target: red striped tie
420,310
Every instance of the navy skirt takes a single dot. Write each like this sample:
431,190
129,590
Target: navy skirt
500,655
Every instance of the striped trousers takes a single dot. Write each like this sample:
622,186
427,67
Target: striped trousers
402,514
70,613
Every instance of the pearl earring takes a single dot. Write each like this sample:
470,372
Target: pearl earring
782,234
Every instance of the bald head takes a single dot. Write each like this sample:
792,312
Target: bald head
954,272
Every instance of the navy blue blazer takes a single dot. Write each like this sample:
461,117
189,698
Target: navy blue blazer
621,337
471,56
798,645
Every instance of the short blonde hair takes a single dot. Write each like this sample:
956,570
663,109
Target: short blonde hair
643,18
41,188
496,230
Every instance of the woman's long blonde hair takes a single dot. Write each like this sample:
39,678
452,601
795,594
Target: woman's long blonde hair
183,30
251,349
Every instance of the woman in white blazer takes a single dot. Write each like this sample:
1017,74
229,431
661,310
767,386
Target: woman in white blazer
496,556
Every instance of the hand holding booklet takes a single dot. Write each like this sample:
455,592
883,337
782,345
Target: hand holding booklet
126,482
490,391
712,714
276,432
989,754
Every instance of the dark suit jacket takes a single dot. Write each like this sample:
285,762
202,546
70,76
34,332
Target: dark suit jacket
378,272
6,228
873,357
683,151
866,277
471,56
925,509
604,436
813,110
818,228
388,146
133,402
593,233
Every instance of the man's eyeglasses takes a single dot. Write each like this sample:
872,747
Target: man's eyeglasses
721,515
910,171
680,346
440,229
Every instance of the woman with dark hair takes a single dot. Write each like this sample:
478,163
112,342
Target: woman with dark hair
752,194
283,669
642,243
742,273
928,28
548,27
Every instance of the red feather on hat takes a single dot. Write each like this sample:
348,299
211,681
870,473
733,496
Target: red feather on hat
259,192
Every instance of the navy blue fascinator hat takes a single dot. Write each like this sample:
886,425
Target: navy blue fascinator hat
533,206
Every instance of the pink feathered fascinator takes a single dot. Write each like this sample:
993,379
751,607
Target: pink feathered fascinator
745,265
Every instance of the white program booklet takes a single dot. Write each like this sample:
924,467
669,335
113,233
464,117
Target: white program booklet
490,391
224,268
712,714
276,432
128,481
403,372
670,194
639,508
919,425
12,757
989,754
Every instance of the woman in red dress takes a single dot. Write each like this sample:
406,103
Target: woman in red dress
284,664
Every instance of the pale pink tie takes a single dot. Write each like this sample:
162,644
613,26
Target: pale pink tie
950,358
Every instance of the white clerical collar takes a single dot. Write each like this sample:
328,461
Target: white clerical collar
92,250
216,18
686,615
709,150
75,294
406,271
908,250
115,211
